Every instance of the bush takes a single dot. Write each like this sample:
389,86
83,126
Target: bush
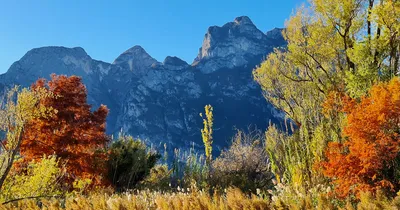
244,165
130,161
158,179
42,178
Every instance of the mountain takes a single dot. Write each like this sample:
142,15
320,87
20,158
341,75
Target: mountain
161,101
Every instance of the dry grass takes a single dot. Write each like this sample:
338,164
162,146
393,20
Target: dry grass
233,199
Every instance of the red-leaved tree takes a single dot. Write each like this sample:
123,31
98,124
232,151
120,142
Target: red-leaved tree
75,133
368,159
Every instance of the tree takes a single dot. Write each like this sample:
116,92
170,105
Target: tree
129,162
333,46
75,134
369,159
17,109
207,131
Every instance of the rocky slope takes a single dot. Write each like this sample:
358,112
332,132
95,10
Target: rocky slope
161,101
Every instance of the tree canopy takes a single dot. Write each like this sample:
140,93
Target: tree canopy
75,134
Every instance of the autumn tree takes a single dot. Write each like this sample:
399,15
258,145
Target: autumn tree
75,134
369,159
17,109
342,46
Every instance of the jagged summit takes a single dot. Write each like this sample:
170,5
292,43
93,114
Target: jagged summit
243,20
234,44
136,59
137,49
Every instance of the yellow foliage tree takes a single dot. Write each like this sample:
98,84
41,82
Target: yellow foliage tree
16,110
207,131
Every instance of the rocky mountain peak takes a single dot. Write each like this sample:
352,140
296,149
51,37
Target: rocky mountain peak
232,45
275,33
43,52
243,20
171,63
174,61
43,61
136,59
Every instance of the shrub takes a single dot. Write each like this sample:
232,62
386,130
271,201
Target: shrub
158,179
368,160
244,165
40,179
130,161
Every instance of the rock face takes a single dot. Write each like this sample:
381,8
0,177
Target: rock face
232,45
161,101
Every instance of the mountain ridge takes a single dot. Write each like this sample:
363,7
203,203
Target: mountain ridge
160,101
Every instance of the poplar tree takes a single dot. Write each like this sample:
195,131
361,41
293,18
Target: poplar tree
207,131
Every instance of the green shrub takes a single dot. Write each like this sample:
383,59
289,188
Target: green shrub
130,161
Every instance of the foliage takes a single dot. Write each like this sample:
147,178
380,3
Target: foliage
340,46
129,162
158,179
41,179
16,110
369,159
75,134
207,131
244,165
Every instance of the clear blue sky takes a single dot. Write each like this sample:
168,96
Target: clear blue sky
105,29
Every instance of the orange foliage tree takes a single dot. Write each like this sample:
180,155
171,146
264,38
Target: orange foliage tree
368,159
74,133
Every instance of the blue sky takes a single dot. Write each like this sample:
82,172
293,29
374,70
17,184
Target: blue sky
105,29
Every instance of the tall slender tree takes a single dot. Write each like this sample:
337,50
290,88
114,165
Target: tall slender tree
207,131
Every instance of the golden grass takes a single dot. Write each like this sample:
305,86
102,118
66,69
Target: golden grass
232,200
